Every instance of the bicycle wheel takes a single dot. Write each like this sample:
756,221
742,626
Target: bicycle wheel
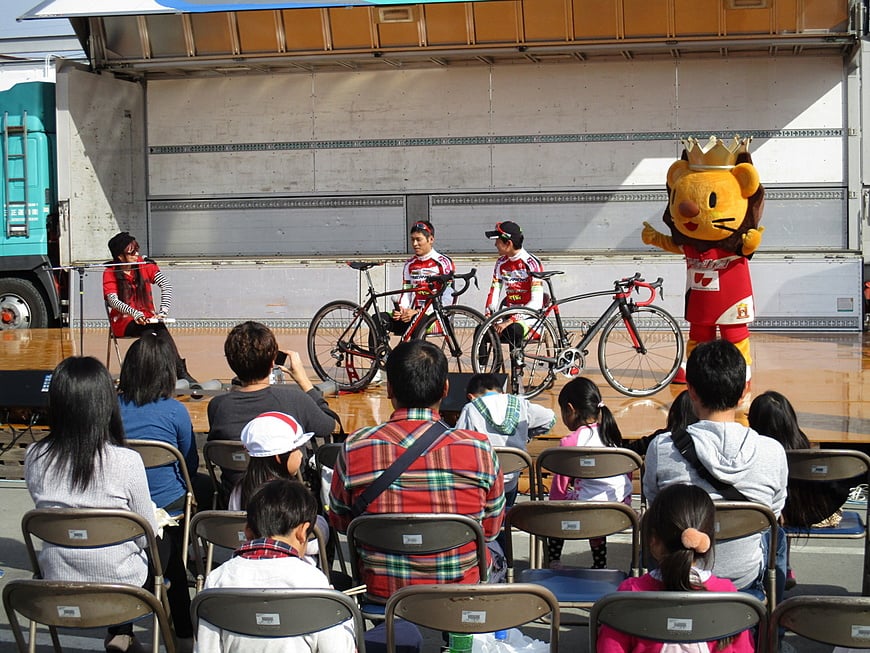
528,355
630,370
465,322
341,345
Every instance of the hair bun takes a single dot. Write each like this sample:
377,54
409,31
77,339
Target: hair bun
695,540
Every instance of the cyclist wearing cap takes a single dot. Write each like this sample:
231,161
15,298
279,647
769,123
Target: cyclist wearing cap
512,275
426,262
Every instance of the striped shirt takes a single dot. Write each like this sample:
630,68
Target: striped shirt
121,313
458,474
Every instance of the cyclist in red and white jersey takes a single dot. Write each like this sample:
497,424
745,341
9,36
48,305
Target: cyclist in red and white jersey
426,262
511,278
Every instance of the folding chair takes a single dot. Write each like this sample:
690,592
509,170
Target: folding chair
405,536
512,460
226,529
78,605
325,456
472,609
571,520
271,613
833,620
112,339
219,455
679,617
825,466
737,519
91,528
585,463
158,454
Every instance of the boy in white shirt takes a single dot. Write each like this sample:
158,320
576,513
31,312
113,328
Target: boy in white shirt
279,516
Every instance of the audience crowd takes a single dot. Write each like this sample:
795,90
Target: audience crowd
412,463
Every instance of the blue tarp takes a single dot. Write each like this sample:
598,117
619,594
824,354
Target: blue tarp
82,8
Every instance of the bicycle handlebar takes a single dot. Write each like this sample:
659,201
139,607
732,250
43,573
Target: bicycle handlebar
444,279
636,282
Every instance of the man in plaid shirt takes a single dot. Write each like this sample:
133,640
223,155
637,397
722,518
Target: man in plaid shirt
459,473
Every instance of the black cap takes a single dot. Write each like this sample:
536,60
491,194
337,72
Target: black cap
506,231
119,242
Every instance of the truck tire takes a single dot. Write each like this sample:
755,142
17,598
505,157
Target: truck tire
21,305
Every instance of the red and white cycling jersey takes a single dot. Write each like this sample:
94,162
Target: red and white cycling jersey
520,288
417,268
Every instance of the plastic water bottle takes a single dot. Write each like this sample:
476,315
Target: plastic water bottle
460,642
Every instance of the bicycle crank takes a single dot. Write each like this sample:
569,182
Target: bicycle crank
570,363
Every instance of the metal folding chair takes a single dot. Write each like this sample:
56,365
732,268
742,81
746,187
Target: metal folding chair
92,528
472,609
271,613
219,455
585,463
80,605
407,536
679,617
158,454
736,519
833,620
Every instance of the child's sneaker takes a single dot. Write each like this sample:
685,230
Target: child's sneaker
790,580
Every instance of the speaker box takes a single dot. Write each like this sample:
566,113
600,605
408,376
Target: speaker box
24,388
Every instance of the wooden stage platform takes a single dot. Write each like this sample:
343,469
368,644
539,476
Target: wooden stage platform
823,374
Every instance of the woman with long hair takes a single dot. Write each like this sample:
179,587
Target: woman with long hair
808,502
83,463
127,290
678,531
150,412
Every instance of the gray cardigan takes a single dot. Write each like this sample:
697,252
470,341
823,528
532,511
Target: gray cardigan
119,482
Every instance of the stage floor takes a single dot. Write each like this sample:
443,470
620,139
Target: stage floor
821,373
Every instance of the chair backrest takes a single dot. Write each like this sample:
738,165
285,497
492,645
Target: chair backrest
223,454
80,605
87,528
827,465
679,617
472,608
586,462
210,528
327,454
834,620
160,454
571,520
414,534
736,519
273,613
512,460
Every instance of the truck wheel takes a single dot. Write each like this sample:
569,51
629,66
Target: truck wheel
21,305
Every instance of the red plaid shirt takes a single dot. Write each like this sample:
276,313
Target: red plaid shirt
459,474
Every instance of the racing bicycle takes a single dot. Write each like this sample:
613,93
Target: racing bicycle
640,347
348,343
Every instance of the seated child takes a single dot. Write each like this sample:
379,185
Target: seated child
593,425
280,514
509,421
678,532
276,443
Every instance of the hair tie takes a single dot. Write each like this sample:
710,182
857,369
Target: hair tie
695,540
601,404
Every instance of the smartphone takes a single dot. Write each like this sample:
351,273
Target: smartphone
281,358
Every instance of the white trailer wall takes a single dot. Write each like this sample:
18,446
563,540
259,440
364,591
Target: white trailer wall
304,170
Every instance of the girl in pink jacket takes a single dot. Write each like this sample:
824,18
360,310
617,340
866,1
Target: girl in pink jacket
593,425
678,532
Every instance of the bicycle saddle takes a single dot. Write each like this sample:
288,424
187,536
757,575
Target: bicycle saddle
362,265
546,274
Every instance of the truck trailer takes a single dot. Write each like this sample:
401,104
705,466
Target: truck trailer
254,151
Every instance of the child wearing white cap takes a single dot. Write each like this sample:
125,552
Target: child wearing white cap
275,443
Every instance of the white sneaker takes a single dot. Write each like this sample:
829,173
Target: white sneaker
377,379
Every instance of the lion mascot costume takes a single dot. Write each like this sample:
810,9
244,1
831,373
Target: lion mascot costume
715,201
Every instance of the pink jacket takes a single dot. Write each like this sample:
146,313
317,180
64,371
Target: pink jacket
613,641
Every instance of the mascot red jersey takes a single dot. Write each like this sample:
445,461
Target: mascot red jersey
715,204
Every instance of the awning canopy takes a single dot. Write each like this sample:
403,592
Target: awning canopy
86,8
